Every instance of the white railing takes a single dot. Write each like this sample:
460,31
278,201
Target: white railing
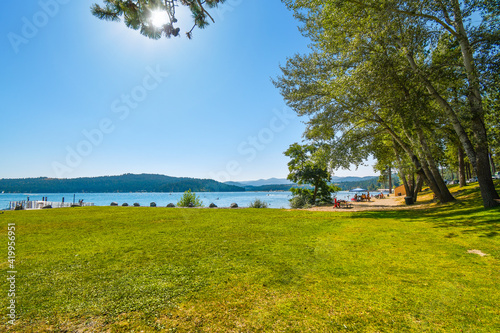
40,204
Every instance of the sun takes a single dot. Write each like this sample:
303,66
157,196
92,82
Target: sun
159,18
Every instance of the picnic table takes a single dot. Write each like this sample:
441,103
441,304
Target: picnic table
345,204
342,204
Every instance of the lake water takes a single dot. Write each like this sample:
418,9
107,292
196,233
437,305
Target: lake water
221,199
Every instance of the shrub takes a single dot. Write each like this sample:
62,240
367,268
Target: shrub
299,201
189,199
257,203
302,198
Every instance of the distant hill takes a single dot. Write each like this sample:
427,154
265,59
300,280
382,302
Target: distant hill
267,188
283,181
108,184
162,183
369,183
336,179
263,182
281,184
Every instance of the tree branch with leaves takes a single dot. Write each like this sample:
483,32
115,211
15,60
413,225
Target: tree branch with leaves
138,15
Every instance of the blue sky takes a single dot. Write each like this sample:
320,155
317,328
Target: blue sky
84,97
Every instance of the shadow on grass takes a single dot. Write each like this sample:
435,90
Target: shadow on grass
465,214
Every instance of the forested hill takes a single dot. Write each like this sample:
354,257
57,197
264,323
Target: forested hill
108,184
369,183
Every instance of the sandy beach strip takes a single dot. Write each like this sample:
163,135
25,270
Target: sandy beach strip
388,203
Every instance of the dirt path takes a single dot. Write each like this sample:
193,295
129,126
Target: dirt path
390,203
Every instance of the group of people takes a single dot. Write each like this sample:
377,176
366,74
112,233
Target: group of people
363,197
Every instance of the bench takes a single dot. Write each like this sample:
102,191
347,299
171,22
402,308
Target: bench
345,204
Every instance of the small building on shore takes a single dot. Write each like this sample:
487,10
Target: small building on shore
400,191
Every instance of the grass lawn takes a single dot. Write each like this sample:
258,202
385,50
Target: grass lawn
133,269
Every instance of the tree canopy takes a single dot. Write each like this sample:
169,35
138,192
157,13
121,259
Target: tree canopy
307,166
140,14
402,76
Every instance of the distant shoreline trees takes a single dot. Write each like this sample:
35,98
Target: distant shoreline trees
110,184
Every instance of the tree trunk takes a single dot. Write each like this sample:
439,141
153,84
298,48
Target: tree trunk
401,172
493,168
486,185
445,192
482,165
461,167
448,110
315,192
408,189
418,187
390,180
431,181
476,155
420,165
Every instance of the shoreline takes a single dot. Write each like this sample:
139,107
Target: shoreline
388,203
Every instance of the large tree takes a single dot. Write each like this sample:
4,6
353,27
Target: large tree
141,15
349,29
354,104
307,167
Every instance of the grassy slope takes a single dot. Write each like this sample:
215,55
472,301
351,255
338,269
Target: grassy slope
129,269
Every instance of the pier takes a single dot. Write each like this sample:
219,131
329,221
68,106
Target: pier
13,205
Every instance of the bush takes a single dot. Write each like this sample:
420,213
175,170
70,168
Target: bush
299,201
258,204
189,199
302,198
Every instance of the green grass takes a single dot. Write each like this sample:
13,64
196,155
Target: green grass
128,269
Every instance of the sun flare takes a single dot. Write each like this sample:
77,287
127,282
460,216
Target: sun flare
159,18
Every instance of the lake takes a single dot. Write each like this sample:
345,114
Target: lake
221,199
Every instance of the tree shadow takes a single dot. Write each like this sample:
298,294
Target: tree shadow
467,216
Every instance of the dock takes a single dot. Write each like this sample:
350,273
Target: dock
13,205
